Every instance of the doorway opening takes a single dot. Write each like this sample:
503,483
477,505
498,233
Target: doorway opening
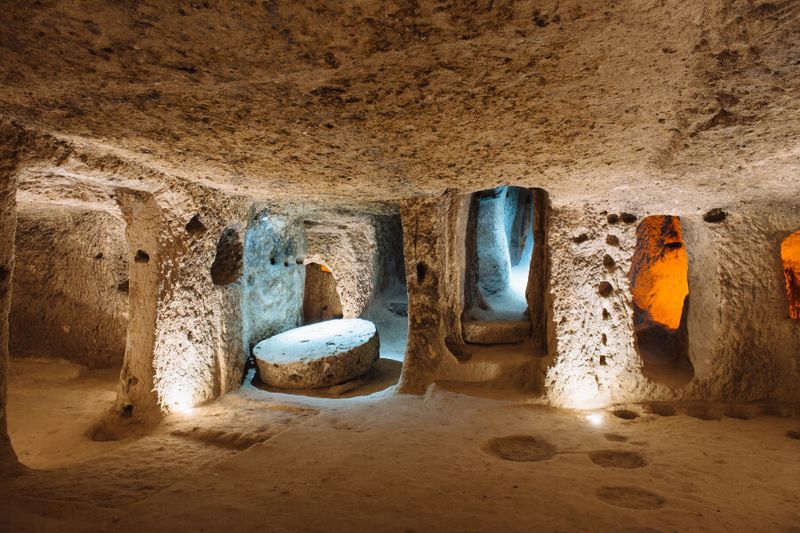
67,331
499,248
790,257
320,298
659,282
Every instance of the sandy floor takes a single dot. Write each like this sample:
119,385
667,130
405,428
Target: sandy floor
52,405
259,461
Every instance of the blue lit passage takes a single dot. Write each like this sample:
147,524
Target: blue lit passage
502,252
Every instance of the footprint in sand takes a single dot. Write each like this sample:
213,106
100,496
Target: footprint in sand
630,497
520,448
617,459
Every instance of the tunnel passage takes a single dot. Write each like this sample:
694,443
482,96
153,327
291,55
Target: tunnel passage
499,248
790,257
659,282
320,298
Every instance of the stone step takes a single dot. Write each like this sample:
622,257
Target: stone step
500,365
496,332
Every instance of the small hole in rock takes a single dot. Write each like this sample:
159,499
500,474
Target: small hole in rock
605,288
422,271
625,414
195,226
141,257
715,215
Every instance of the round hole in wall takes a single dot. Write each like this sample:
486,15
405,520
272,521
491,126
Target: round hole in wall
715,215
141,257
422,272
605,288
195,226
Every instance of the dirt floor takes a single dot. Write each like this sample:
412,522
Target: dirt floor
256,460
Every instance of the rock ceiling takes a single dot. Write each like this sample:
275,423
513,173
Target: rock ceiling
663,103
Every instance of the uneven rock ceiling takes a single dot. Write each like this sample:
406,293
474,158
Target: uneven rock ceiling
661,104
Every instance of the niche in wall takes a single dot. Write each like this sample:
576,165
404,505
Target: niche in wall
659,282
790,257
320,298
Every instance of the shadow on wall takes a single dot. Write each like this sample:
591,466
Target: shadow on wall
70,291
790,257
659,282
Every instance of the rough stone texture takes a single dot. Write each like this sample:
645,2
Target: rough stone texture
320,299
577,376
425,257
348,246
138,98
493,258
497,331
742,343
199,347
274,276
739,351
318,355
185,335
143,219
229,259
8,191
323,100
790,257
436,251
70,297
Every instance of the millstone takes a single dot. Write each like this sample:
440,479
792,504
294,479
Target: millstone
318,355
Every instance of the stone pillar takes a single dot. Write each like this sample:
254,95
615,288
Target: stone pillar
425,250
742,343
185,343
8,190
143,224
595,360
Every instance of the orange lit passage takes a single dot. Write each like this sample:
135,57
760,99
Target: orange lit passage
790,256
659,270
